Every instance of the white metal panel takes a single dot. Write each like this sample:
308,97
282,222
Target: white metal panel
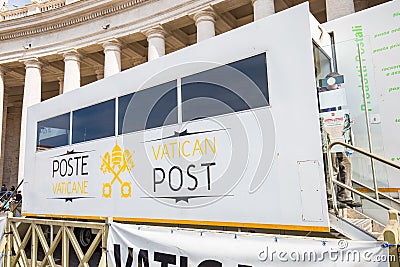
332,98
311,190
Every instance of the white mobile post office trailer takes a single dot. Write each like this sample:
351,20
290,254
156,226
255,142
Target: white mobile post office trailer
224,133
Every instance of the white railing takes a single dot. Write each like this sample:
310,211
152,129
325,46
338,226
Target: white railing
34,8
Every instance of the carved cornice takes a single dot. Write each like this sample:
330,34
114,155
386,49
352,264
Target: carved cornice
72,21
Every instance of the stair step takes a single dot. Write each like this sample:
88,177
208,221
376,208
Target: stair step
349,228
354,214
378,235
365,224
362,221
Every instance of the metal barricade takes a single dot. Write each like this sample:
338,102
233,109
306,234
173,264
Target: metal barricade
25,237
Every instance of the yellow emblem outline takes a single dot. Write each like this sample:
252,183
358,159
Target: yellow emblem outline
119,162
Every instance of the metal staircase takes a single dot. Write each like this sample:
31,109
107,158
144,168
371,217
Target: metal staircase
354,223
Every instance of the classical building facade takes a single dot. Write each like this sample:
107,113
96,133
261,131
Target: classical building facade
50,47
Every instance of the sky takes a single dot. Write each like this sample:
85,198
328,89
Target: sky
19,3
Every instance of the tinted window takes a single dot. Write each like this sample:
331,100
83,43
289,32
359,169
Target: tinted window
149,108
93,122
53,132
322,62
234,87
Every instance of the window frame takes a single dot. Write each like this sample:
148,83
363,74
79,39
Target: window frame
41,148
266,94
179,107
112,100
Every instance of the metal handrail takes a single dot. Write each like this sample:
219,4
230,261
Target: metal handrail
377,202
366,153
4,204
17,204
362,151
380,193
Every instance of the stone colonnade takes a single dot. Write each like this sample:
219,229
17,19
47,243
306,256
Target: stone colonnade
205,25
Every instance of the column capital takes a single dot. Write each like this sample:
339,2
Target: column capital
71,55
99,74
32,62
207,14
155,32
111,45
60,84
253,1
99,71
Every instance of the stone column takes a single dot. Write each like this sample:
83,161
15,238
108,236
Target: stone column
99,74
2,89
338,8
360,5
32,95
72,73
60,85
156,40
4,126
205,23
263,8
112,57
3,119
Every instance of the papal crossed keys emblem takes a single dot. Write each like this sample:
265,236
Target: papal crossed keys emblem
119,162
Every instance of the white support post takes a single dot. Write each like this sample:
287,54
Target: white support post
32,95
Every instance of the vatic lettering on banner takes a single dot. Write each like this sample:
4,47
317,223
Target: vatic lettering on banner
133,245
